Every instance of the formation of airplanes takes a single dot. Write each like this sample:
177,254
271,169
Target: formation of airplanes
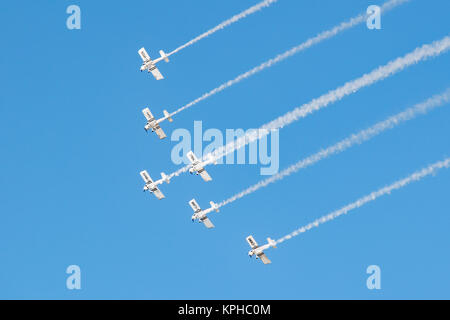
197,166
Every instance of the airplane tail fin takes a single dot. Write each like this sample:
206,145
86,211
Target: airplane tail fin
167,115
164,55
272,242
165,177
215,206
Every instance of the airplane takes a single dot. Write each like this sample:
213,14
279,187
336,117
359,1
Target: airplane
153,124
197,166
200,214
152,186
150,65
259,250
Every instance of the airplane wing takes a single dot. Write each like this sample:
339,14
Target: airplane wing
205,175
160,132
194,205
144,55
207,223
253,244
147,114
264,258
158,194
155,72
144,174
192,158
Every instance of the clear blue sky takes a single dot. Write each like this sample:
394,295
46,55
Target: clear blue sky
73,145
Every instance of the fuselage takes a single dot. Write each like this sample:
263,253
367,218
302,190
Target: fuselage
256,251
150,65
201,214
153,186
151,125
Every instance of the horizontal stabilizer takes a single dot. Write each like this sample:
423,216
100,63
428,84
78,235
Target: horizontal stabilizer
164,55
272,243
167,115
165,177
214,206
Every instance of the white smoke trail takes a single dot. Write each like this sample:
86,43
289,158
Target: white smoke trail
360,137
226,23
416,176
380,73
301,47
419,54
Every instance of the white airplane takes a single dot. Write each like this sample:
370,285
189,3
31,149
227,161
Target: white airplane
259,250
197,166
200,214
153,123
152,186
150,65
